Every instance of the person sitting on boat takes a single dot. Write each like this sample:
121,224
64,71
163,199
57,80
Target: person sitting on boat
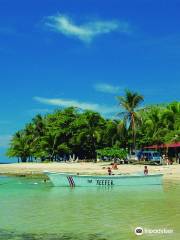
109,171
145,170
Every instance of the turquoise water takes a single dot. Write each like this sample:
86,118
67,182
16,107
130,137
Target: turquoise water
32,209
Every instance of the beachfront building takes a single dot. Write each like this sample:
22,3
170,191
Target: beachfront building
171,149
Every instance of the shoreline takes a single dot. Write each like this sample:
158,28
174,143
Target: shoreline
171,172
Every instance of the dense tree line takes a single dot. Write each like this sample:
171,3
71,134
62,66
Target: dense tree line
69,131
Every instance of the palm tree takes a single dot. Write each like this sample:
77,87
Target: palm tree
172,121
154,126
123,133
88,129
20,146
130,103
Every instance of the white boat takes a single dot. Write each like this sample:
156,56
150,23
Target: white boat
76,180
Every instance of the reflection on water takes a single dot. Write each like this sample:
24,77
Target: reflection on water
32,209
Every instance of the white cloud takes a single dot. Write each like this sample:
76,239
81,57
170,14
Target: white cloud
82,105
4,140
86,31
106,88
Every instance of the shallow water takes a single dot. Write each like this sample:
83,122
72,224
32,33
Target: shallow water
32,209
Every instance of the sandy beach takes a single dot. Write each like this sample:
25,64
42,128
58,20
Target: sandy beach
171,172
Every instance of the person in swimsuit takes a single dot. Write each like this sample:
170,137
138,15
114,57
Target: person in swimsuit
109,171
145,170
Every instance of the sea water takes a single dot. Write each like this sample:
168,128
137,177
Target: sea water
31,209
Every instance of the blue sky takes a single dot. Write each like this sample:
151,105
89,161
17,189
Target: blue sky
84,53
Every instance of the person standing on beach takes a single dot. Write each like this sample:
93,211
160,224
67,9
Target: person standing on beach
145,170
109,171
179,157
164,158
167,160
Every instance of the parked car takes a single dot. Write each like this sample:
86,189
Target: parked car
152,156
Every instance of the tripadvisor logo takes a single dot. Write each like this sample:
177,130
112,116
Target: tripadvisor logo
138,231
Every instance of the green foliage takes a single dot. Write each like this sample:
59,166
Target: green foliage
60,134
160,124
65,132
113,152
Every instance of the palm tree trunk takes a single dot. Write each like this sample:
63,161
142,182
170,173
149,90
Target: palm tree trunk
133,133
53,150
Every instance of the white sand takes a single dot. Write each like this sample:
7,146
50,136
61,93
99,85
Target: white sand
170,172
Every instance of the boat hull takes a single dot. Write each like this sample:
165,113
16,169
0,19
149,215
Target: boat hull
72,180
